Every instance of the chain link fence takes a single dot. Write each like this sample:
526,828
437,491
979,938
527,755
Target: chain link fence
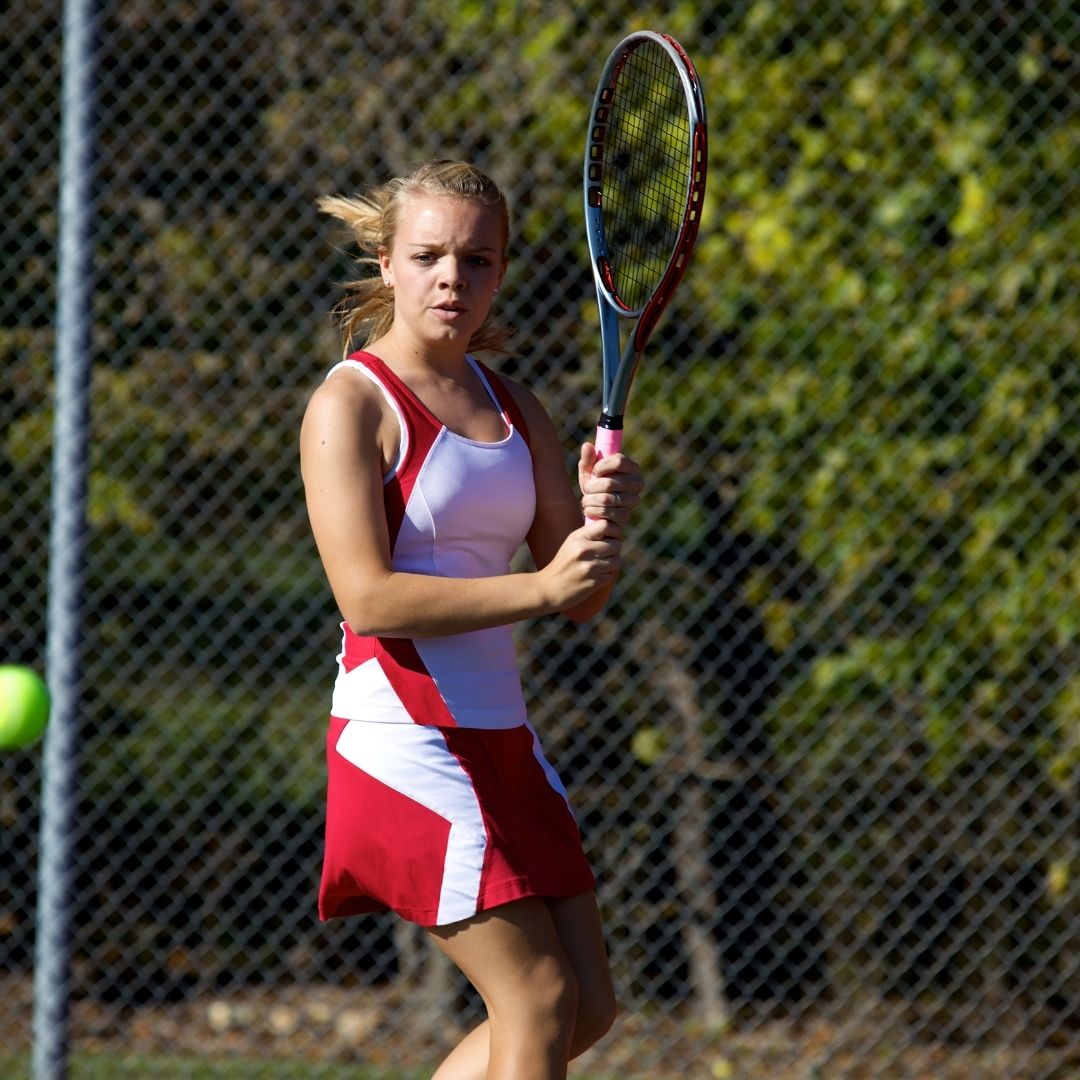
825,744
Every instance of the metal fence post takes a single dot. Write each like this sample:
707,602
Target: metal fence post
67,542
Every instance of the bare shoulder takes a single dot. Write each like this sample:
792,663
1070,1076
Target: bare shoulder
347,411
346,397
344,389
536,416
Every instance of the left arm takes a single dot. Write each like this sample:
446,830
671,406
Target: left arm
610,489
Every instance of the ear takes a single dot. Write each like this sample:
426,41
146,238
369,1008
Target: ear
384,268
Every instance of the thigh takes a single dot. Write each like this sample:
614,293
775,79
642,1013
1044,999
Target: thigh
577,922
502,950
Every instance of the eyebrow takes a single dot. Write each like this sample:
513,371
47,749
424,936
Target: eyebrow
438,245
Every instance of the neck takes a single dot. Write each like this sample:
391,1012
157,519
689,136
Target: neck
401,351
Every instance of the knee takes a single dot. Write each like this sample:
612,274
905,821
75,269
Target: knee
554,995
595,1015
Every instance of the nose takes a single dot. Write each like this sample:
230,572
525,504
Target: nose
453,275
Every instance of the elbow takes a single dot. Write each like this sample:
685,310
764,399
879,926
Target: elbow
367,609
358,627
577,618
583,612
363,618
580,617
364,621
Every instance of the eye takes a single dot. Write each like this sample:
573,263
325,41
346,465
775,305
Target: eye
424,257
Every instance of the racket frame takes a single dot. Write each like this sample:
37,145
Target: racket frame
619,363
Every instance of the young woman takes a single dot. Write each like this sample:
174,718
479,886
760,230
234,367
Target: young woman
424,473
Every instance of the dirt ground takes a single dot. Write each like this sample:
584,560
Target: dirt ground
334,1025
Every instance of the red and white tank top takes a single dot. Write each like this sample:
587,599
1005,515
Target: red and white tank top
455,508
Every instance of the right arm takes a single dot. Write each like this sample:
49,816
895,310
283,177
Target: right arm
347,431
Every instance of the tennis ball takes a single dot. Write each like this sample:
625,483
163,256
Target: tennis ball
24,706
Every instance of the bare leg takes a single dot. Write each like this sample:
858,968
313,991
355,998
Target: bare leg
469,1059
541,968
577,922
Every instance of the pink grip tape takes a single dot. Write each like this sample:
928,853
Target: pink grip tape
608,441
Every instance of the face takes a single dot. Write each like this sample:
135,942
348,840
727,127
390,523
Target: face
445,265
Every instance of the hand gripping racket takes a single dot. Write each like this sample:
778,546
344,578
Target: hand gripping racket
644,186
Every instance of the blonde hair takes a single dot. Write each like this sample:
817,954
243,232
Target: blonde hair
367,310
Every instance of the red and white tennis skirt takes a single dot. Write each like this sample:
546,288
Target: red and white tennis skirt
438,824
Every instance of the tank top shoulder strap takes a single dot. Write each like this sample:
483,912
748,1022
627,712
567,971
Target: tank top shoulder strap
392,384
396,387
419,428
505,399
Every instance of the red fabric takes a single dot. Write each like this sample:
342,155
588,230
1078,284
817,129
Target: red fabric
422,429
386,851
378,843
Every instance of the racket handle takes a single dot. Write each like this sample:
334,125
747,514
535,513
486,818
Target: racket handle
608,441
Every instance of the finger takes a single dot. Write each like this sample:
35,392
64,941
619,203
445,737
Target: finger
604,510
618,465
627,486
602,565
607,466
595,527
608,550
617,505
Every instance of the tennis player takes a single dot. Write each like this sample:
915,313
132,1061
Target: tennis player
424,473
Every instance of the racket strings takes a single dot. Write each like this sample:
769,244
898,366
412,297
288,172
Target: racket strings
646,170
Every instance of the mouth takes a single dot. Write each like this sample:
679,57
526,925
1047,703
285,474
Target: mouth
450,310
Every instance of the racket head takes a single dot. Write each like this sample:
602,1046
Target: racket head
644,185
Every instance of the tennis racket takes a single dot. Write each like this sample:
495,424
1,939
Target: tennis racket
644,187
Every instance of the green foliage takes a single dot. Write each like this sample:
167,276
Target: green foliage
872,365
905,399
900,388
